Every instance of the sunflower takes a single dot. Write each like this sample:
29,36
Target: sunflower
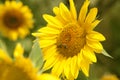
20,68
15,20
109,77
68,42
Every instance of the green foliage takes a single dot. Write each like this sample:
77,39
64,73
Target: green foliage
36,55
3,46
106,54
109,11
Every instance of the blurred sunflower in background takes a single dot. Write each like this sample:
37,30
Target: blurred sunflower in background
15,20
68,42
20,68
109,77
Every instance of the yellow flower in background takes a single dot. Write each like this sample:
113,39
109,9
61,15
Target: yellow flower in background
68,42
19,68
15,20
109,77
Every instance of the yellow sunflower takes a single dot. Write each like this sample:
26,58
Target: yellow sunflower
109,77
68,42
20,68
15,20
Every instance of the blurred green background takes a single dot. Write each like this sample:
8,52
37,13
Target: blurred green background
109,12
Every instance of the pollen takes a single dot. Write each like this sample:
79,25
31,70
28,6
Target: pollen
71,40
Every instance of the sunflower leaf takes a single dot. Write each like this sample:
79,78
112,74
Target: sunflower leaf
36,55
3,46
104,52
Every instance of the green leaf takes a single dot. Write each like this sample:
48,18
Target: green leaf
106,54
36,55
3,46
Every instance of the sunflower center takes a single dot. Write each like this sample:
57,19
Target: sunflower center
11,72
13,19
71,40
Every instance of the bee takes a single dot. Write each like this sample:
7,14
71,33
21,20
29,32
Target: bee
64,46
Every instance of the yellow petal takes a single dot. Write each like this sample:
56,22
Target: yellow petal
50,62
67,68
13,35
15,5
91,15
58,67
49,37
94,24
74,67
52,20
45,36
46,43
95,36
56,10
4,56
37,34
79,58
109,76
47,76
23,32
49,52
56,27
49,30
24,9
7,3
89,54
83,12
73,9
85,64
65,13
18,52
95,45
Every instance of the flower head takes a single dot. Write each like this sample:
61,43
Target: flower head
68,42
15,20
19,68
109,77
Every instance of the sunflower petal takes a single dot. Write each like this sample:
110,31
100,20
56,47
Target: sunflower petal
13,35
49,30
79,58
89,54
67,68
91,15
56,10
95,23
95,36
50,62
85,64
58,67
48,53
18,52
58,16
95,45
7,3
83,12
46,43
4,56
46,76
45,36
73,9
65,13
74,67
52,20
